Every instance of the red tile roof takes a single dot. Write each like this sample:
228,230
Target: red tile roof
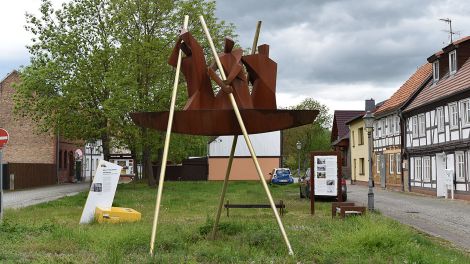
340,129
447,86
406,90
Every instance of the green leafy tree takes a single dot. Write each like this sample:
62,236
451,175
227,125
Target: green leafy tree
313,137
95,61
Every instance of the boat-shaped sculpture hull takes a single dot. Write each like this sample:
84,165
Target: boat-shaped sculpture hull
212,122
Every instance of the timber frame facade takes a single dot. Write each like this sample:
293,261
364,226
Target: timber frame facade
389,171
437,139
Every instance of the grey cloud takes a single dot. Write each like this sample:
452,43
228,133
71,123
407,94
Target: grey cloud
378,43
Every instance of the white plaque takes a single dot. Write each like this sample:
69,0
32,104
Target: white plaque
102,190
326,175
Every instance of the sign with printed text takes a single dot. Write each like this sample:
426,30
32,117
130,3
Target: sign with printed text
102,190
325,172
4,136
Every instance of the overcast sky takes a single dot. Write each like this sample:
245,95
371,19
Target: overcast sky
337,52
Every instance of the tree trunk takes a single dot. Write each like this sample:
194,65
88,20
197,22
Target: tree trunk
147,169
105,145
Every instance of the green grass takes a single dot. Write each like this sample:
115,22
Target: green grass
50,233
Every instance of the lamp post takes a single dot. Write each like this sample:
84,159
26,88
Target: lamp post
369,124
299,147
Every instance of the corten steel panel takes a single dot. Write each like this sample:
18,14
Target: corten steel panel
224,122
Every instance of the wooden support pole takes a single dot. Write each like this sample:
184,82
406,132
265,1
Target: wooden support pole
232,151
247,139
224,188
166,146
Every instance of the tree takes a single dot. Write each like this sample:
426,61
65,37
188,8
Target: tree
95,61
314,137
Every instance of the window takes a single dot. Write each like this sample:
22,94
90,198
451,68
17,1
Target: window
465,112
361,166
376,129
353,141
379,128
377,163
422,125
435,71
440,119
397,124
398,162
459,167
426,169
60,159
391,159
414,128
360,136
391,126
454,115
418,169
453,62
386,126
65,159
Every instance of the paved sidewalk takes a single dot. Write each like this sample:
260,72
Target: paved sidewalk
448,219
23,198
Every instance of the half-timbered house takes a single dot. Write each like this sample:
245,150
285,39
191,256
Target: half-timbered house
438,125
387,148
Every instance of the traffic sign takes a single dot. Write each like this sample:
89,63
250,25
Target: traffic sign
4,136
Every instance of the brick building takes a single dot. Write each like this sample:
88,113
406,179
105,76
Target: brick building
30,157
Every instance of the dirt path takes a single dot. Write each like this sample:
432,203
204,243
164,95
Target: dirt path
447,219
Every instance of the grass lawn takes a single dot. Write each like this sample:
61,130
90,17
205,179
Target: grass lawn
50,233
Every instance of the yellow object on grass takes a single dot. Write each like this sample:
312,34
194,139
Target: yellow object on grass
116,215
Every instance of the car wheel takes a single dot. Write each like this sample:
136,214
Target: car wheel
300,191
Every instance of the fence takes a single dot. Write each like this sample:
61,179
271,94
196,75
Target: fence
26,175
190,170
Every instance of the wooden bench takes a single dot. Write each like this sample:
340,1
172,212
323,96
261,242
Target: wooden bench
280,205
346,208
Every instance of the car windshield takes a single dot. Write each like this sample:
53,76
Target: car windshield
283,171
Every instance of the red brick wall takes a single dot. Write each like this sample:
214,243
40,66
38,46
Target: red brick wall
26,144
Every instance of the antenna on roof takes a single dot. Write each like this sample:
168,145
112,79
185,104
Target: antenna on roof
451,33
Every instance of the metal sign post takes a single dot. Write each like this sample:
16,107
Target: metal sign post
4,136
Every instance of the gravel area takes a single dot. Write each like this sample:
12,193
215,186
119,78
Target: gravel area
23,198
447,219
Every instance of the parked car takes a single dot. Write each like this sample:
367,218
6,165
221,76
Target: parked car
281,176
304,188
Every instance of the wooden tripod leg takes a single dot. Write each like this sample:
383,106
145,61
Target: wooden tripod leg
166,146
224,188
247,139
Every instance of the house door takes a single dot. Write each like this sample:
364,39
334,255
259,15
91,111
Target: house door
441,175
382,171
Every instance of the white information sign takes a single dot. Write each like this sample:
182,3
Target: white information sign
102,190
326,175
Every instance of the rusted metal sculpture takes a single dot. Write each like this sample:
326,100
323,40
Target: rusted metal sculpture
212,115
232,111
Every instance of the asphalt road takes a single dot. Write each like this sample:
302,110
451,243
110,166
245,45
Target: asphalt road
447,219
23,198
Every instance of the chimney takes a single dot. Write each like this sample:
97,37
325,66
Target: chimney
370,104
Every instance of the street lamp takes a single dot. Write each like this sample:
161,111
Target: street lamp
369,124
299,147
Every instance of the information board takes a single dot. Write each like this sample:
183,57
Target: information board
326,175
102,190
